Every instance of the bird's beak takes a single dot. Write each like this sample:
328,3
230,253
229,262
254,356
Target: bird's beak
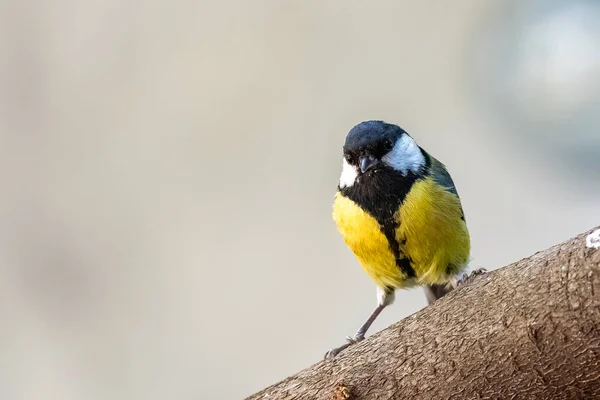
367,163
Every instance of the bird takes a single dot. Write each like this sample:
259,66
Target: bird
399,212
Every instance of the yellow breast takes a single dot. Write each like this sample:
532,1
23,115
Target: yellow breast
363,235
431,233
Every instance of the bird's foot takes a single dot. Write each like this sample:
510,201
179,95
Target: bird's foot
351,340
465,278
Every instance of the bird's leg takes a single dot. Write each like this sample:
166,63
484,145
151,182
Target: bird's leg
362,331
359,335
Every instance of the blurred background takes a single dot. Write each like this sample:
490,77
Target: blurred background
168,169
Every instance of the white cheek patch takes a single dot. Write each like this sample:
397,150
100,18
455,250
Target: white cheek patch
405,156
349,174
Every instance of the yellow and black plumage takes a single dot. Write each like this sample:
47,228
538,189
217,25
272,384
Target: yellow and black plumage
398,210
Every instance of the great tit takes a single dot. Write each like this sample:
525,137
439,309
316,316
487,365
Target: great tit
398,210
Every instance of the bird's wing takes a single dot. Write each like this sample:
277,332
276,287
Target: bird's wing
442,177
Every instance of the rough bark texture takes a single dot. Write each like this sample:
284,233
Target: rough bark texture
530,330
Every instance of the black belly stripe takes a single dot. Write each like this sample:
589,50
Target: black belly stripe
381,194
389,230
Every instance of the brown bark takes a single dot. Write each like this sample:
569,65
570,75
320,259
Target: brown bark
530,330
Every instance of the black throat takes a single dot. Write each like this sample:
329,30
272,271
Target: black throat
380,193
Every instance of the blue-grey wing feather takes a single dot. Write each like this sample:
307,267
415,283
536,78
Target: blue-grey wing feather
441,176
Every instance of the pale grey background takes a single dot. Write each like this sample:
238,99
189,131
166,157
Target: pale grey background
168,169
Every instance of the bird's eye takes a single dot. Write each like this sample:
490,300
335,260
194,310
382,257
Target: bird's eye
348,158
388,144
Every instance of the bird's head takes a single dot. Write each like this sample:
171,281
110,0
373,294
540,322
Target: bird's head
374,147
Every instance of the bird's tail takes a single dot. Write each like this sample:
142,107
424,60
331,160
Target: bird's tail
434,292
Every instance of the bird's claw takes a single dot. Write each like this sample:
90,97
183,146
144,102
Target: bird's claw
479,271
467,277
350,339
334,352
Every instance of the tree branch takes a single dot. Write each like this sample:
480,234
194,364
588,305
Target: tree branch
528,330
